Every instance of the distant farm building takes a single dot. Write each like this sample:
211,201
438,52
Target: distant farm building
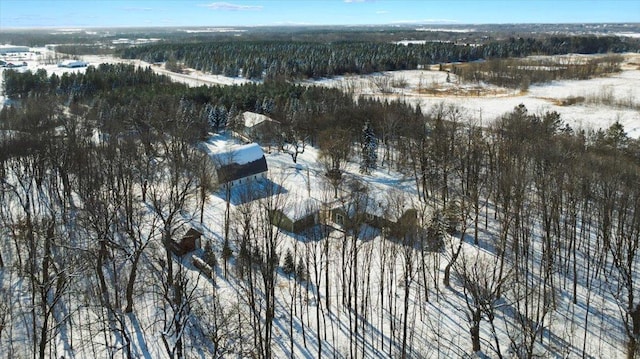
12,65
72,64
10,49
238,165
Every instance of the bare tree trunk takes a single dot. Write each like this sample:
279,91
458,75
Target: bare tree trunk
131,282
475,330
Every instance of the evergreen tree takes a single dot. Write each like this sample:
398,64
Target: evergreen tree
369,149
301,270
209,257
216,116
234,119
289,265
209,116
268,106
243,262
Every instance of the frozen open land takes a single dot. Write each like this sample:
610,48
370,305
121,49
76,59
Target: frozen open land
485,102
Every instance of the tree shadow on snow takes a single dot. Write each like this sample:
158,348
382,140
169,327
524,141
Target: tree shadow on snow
251,191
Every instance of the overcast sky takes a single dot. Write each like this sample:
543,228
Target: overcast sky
144,13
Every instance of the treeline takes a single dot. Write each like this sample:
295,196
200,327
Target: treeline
291,60
105,77
88,49
123,95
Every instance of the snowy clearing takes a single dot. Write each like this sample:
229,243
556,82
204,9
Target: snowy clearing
485,103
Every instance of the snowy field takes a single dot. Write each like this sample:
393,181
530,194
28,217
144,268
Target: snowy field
485,102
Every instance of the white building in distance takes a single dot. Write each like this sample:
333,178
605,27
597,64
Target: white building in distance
9,49
72,63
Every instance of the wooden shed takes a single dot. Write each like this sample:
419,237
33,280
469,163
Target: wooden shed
188,243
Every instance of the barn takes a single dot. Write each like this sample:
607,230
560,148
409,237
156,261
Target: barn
11,49
240,164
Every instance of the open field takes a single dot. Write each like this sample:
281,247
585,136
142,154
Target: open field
607,99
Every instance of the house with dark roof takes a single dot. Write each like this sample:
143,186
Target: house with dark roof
236,165
388,210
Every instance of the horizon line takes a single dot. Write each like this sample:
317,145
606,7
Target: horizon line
400,24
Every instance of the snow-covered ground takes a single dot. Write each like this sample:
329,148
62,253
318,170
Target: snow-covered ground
485,103
438,325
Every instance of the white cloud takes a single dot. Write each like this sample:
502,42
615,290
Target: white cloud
427,21
225,6
137,8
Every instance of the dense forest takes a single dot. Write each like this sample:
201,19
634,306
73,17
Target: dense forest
279,60
97,170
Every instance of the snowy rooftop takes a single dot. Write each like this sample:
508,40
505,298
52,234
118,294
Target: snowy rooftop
383,201
302,207
72,63
218,147
252,119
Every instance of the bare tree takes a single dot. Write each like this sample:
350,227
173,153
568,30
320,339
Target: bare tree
259,240
481,280
459,214
178,296
171,193
335,146
623,246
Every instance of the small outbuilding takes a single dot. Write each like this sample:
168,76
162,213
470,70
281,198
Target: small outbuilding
188,243
297,219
